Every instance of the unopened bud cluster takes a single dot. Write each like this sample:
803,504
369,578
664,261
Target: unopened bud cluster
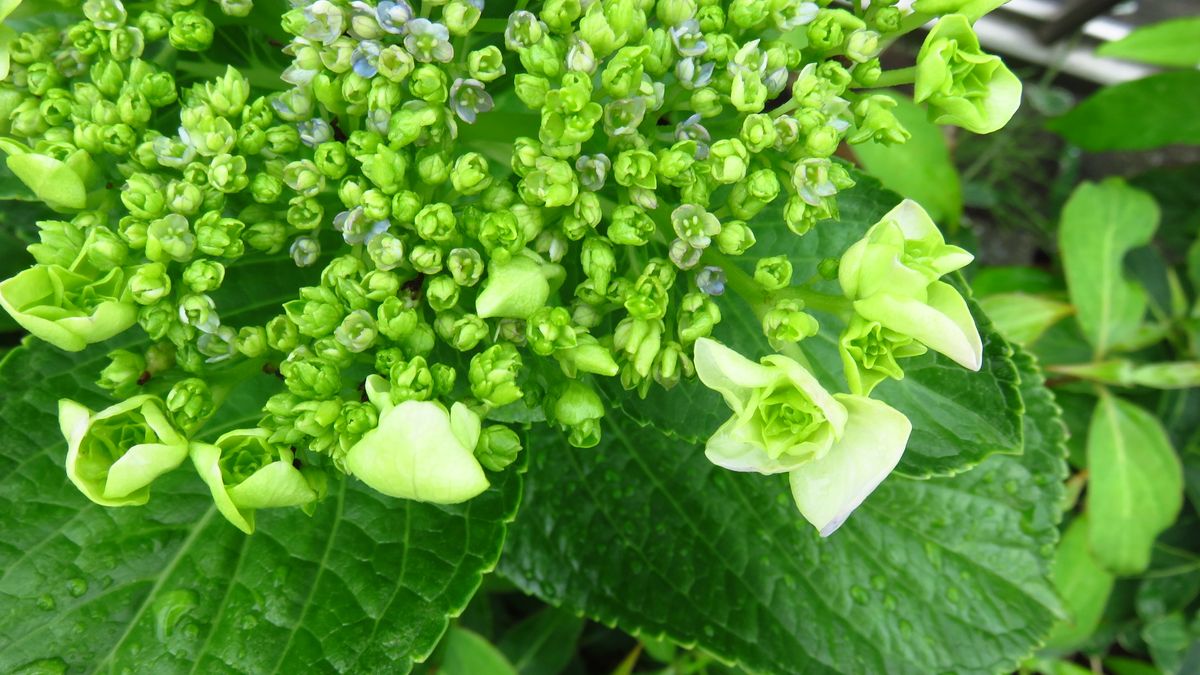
494,209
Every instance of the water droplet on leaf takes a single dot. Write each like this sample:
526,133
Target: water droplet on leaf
46,602
77,587
170,608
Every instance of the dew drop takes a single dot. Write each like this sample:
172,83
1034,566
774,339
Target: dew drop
709,630
46,602
934,554
879,582
247,622
860,594
889,602
170,608
191,631
77,587
952,595
1010,486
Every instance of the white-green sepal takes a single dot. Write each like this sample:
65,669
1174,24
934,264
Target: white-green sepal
829,489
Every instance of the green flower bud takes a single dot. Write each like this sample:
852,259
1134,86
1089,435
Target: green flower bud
578,410
606,29
636,168
870,352
357,332
549,329
774,273
305,213
498,447
551,183
631,226
876,122
67,309
227,95
115,454
395,321
963,85
463,333
460,17
317,313
410,381
227,173
422,452
313,378
470,174
706,102
426,259
282,334
221,237
486,64
671,365
123,374
143,196
170,238
728,160
698,315
493,375
190,31
429,83
758,132
514,288
190,403
786,322
385,168
245,472
465,266
252,341
639,341
531,89
386,251
442,293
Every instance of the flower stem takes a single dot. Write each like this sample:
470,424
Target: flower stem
892,78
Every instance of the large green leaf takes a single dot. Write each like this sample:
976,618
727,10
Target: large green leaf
1168,43
959,417
365,585
1135,484
920,169
943,575
1100,224
1159,110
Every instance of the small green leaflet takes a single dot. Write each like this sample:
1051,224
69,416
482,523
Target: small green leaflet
1101,222
1159,110
1169,43
1135,484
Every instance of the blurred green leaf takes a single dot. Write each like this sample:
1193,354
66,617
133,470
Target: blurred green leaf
1100,224
543,643
468,653
1023,318
1169,638
1013,279
1171,583
1082,584
1135,487
1159,110
1168,43
920,169
1118,665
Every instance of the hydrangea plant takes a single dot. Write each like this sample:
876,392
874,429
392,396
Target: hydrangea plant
504,218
